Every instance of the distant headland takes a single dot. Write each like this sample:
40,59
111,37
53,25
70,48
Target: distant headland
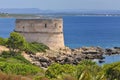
15,12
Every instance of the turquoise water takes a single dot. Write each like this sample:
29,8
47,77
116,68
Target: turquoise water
82,31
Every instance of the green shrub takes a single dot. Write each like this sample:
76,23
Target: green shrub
19,68
3,41
112,71
16,42
68,68
56,70
5,54
87,70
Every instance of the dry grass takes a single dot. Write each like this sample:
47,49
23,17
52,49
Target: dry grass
44,78
4,76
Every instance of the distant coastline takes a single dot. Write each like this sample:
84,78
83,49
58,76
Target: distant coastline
7,15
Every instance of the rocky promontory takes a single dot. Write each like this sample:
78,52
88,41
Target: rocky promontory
69,56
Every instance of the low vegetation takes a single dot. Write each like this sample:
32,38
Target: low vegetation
112,71
7,57
56,70
35,47
17,65
86,70
3,41
18,68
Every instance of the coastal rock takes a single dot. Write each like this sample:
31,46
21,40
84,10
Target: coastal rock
36,63
115,50
77,58
90,52
44,64
42,59
68,60
67,56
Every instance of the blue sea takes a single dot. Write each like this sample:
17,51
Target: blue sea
6,26
81,31
92,31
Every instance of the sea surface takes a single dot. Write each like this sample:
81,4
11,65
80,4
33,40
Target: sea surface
82,31
92,31
6,26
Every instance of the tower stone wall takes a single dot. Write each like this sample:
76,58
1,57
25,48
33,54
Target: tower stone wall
47,31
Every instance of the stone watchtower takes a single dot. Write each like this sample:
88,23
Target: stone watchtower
48,31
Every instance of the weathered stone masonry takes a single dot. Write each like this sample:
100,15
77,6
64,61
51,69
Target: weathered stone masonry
48,31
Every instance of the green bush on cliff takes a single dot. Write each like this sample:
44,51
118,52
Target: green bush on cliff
3,41
16,42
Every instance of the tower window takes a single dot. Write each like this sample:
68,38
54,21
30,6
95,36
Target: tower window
23,28
45,25
59,26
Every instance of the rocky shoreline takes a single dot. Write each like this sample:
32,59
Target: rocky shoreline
69,56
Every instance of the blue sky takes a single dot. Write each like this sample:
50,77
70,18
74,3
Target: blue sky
62,4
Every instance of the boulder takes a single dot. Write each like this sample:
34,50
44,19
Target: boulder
68,60
78,58
37,63
59,59
42,59
44,64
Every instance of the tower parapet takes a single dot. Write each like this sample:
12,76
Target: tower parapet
48,31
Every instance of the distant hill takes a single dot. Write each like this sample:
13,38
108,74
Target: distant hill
23,11
67,11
